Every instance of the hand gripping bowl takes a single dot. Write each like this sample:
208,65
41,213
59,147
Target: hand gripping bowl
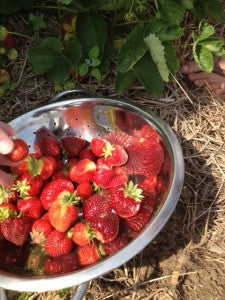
90,117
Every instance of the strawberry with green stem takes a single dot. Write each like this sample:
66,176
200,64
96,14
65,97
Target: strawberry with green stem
73,145
26,186
7,194
30,207
63,213
82,171
126,200
44,166
7,210
82,233
88,254
19,152
57,244
40,230
96,205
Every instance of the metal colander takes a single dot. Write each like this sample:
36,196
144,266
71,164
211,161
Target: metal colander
90,117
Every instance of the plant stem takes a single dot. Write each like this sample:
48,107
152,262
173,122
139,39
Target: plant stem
20,34
55,7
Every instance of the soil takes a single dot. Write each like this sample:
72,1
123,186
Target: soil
187,259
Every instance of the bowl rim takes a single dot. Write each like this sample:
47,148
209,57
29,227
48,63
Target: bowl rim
77,277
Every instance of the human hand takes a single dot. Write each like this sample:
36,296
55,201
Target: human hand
6,146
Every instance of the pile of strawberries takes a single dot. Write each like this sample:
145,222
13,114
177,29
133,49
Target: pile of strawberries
75,202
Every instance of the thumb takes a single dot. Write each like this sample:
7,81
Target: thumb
5,179
6,143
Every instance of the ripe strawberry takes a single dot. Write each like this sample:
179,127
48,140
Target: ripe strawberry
149,202
144,158
149,185
84,190
64,263
103,176
114,155
97,145
22,167
126,201
63,212
60,174
105,227
53,189
115,245
15,256
30,207
7,195
138,221
44,166
19,151
47,144
7,210
87,153
118,181
118,138
82,171
40,230
26,186
45,216
82,233
94,206
16,230
57,243
88,254
9,42
73,145
147,133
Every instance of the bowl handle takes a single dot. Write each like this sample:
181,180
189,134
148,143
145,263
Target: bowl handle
64,94
79,294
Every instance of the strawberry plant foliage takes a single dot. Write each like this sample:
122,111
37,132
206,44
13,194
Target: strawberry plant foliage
122,34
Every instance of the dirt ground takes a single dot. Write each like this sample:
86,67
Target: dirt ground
187,259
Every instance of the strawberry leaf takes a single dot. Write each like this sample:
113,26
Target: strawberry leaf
96,74
206,60
60,71
93,53
123,81
52,43
157,51
72,52
212,44
188,4
65,2
171,11
132,50
171,59
83,69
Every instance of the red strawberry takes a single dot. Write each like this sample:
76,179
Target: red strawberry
60,174
82,171
19,151
57,243
147,133
105,227
46,216
7,210
73,145
88,254
149,185
138,221
26,186
40,230
103,176
84,190
16,230
30,207
114,155
82,233
64,263
21,168
119,138
44,166
144,158
126,201
115,245
9,41
7,195
47,143
96,205
149,202
118,181
97,145
63,212
53,189
87,153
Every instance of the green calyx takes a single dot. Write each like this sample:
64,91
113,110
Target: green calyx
4,194
131,190
5,213
70,199
108,149
90,231
3,33
34,166
22,188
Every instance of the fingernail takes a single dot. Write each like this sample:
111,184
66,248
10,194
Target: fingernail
5,147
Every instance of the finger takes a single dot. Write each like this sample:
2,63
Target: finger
5,179
5,162
6,143
189,68
8,129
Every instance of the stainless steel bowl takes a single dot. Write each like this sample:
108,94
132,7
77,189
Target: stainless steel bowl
91,117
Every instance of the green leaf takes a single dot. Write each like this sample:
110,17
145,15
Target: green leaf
147,73
124,81
164,31
206,60
73,52
157,51
211,8
93,53
60,71
114,5
171,59
171,11
188,4
12,6
52,43
95,62
83,69
132,50
205,31
221,53
91,31
96,74
65,2
212,44
37,22
42,59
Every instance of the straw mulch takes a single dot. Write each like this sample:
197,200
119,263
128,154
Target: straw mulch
187,259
